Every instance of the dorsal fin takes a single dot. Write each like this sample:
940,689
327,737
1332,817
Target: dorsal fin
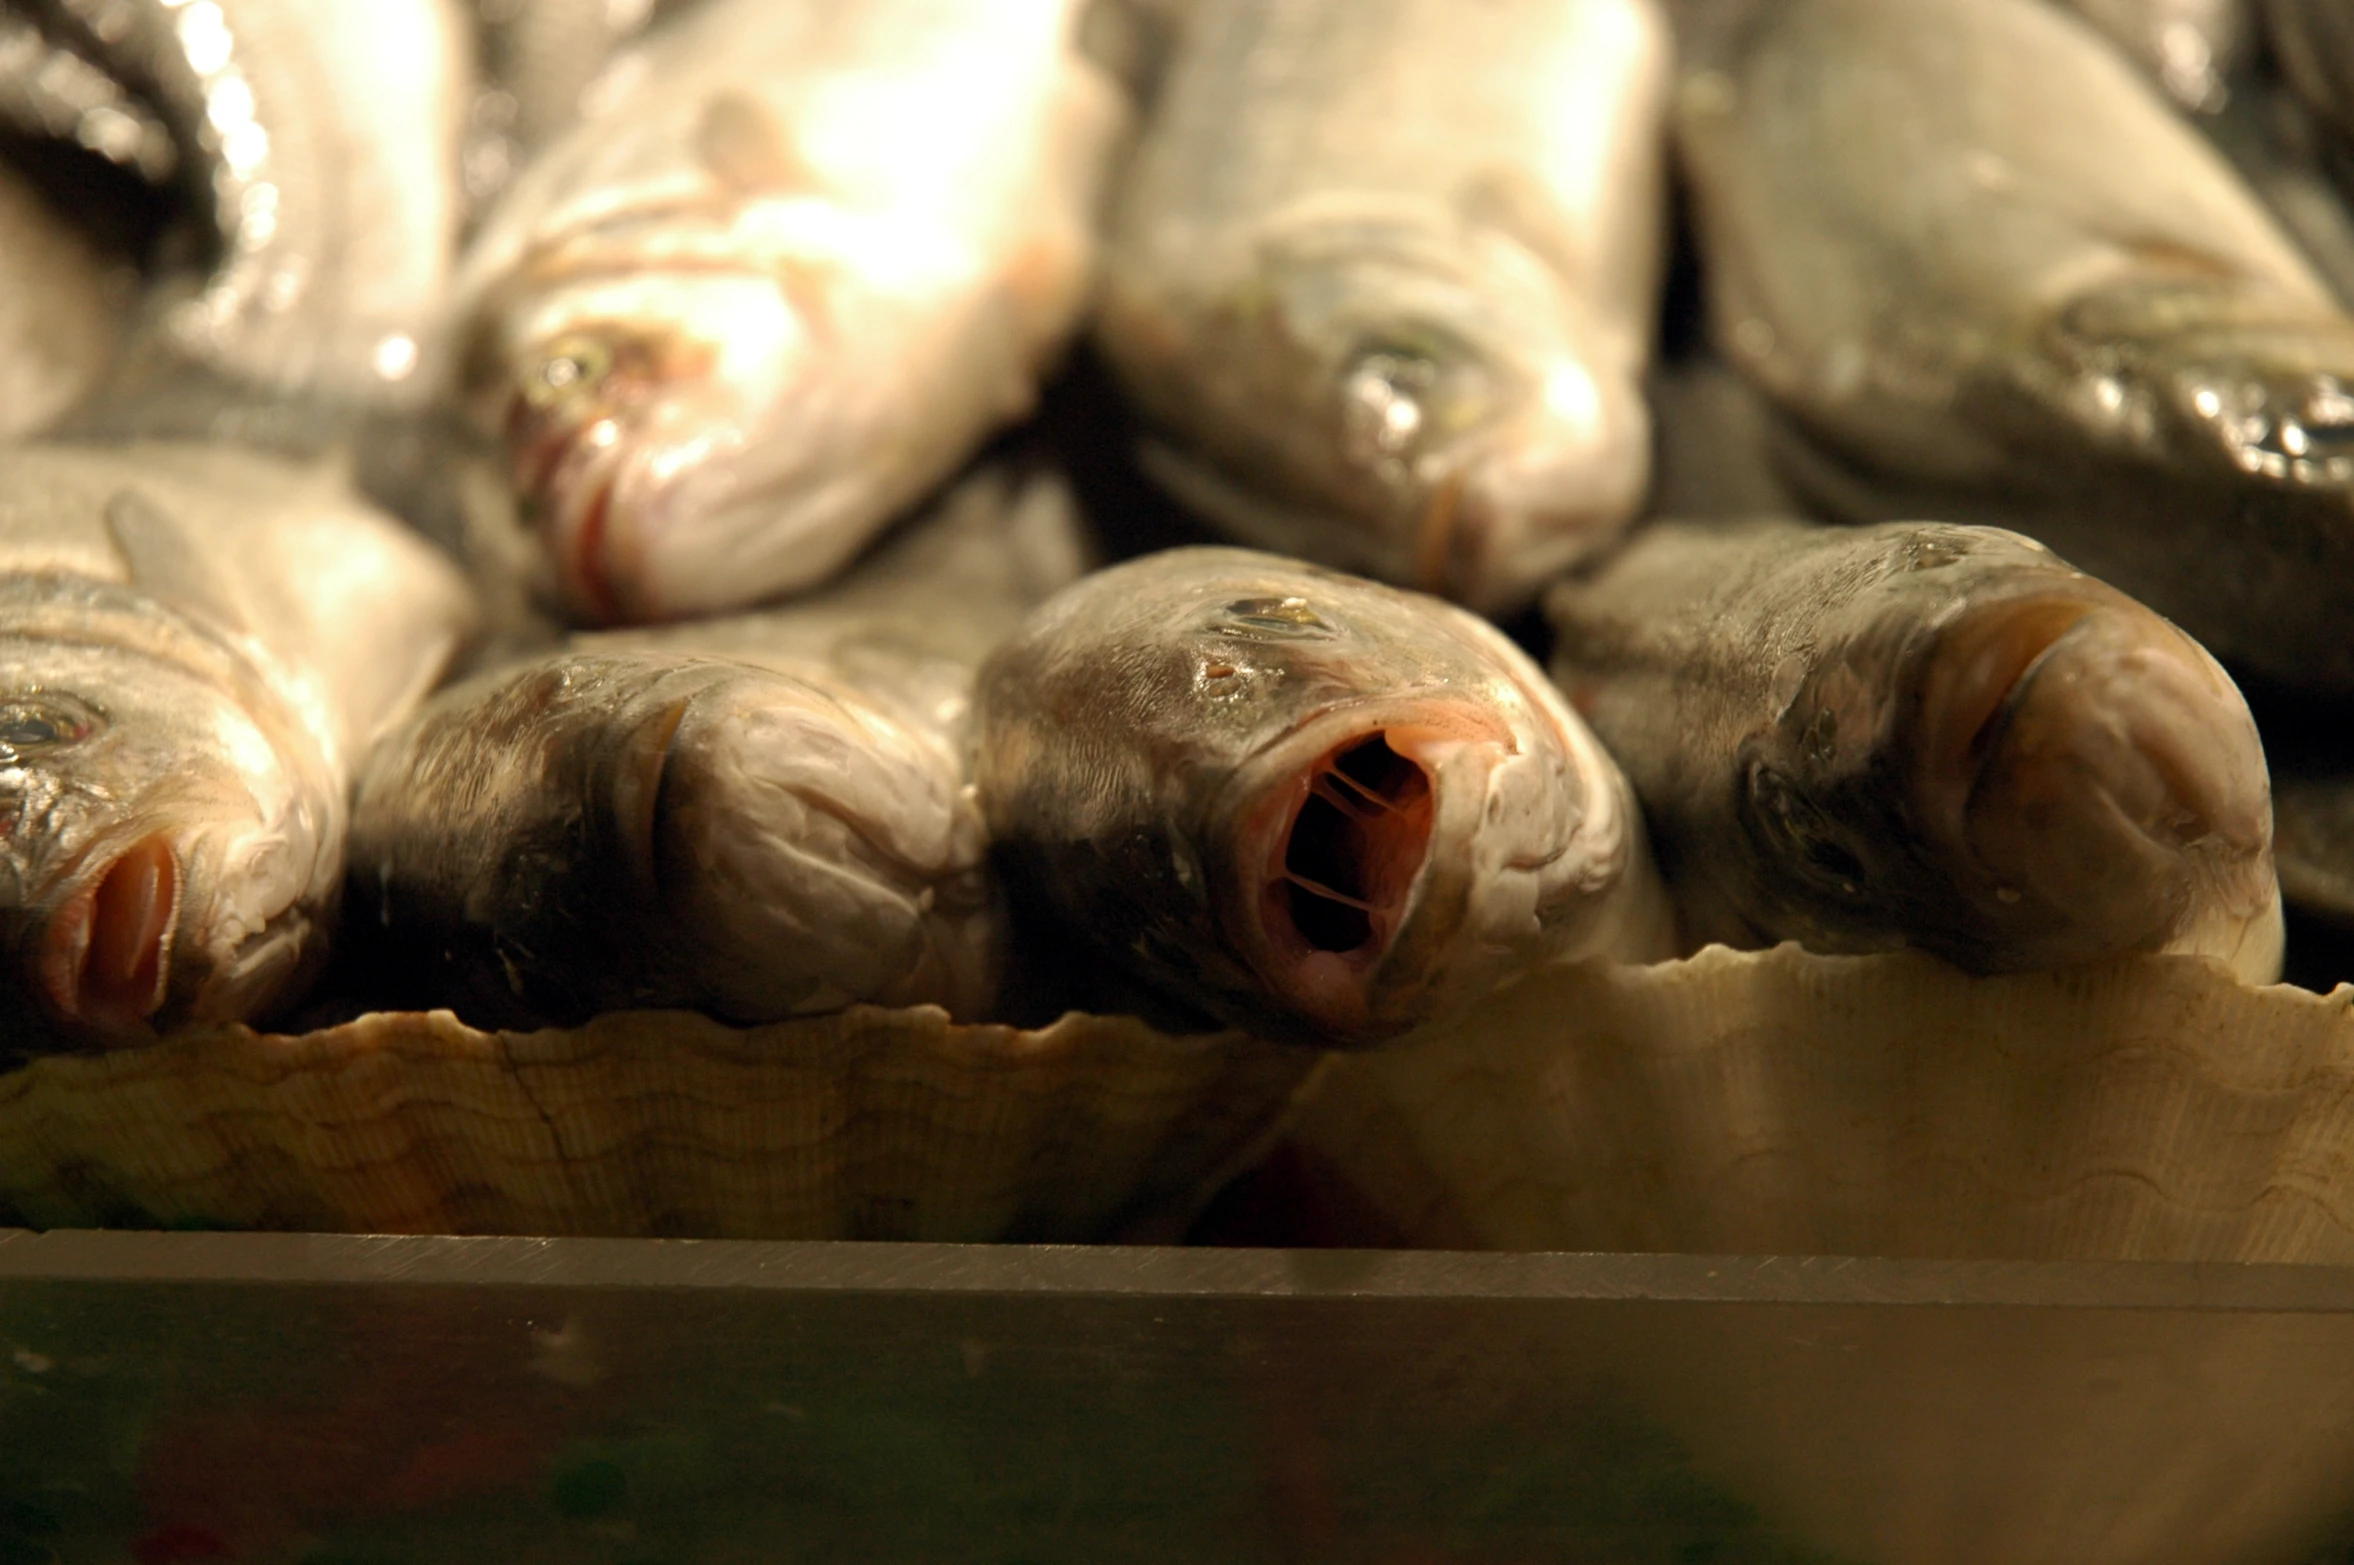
165,565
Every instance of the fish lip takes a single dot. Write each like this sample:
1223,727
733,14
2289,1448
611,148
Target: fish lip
1261,804
2160,735
116,1003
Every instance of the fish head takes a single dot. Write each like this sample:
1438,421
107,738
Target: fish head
2042,773
164,857
1317,806
1442,398
819,846
628,404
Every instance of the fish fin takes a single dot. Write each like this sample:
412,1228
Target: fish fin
164,564
745,148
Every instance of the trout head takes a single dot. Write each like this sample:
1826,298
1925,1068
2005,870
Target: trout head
627,403
1432,404
168,850
1310,804
2010,765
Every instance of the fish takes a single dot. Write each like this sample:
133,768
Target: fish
1383,272
2190,47
1925,735
61,305
1306,803
796,261
1984,273
321,143
196,644
2313,42
755,817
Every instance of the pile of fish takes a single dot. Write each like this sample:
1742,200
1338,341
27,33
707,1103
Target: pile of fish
534,506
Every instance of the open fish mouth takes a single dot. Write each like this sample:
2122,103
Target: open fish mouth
103,961
1342,831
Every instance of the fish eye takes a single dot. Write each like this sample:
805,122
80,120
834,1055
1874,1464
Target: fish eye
570,368
1401,392
42,723
1798,832
1272,619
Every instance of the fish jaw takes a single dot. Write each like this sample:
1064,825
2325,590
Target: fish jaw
2097,779
816,851
1552,490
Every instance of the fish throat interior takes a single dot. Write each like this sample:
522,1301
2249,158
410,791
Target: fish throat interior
1355,844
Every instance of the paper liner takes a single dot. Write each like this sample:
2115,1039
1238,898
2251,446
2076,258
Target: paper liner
871,1124
1783,1103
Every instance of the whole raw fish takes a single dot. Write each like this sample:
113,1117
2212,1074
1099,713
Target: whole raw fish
2190,46
61,306
756,817
1385,271
1303,801
195,645
1987,274
798,259
1925,735
323,138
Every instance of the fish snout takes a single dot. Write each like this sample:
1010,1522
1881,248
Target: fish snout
102,962
2100,775
1541,494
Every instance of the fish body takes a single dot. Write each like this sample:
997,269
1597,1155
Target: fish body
795,262
1922,735
195,646
61,303
755,817
2189,46
322,138
1985,273
1304,802
1385,270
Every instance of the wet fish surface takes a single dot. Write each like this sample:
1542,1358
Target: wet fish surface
1305,802
1385,271
1985,274
195,645
2190,46
753,817
321,140
1922,735
796,262
61,303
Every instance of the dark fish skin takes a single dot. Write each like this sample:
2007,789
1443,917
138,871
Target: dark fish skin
1926,735
1985,273
1307,803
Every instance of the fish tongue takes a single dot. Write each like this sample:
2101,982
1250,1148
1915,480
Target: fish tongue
105,957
